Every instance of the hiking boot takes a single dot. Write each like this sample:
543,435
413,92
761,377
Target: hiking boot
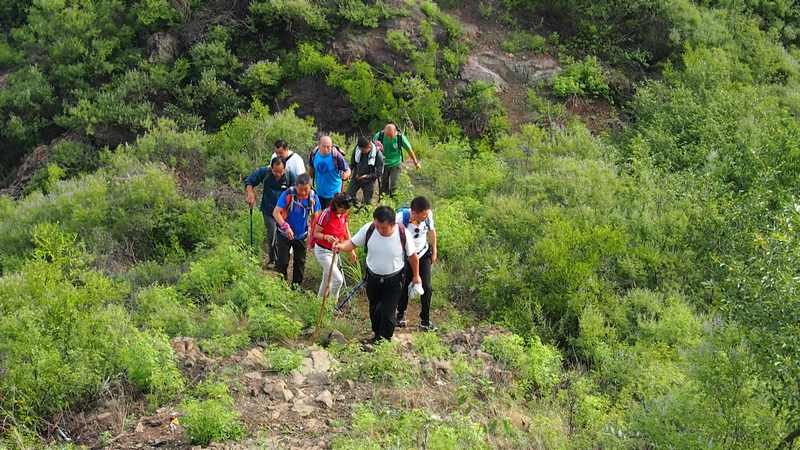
401,320
428,327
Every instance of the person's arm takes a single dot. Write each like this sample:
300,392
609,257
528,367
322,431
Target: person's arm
353,254
413,261
282,225
311,163
405,144
346,172
254,179
379,163
434,250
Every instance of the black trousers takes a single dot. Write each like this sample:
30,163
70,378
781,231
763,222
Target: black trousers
383,293
367,188
424,273
324,202
298,247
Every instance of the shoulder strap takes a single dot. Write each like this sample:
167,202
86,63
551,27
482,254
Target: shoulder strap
402,231
289,157
370,230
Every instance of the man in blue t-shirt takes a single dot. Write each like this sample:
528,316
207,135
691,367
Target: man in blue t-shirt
276,180
328,167
292,212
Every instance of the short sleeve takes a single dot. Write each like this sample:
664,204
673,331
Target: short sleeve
404,142
281,203
411,249
343,162
430,220
399,218
360,238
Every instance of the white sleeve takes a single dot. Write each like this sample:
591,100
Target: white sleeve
430,220
411,248
299,166
360,238
399,219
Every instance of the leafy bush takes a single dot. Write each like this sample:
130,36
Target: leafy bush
162,308
262,77
479,111
538,365
581,78
26,106
367,15
209,276
374,427
62,330
214,55
519,41
150,364
263,323
283,360
293,15
429,346
384,364
212,418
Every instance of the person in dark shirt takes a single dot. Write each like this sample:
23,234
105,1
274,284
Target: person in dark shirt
367,166
276,180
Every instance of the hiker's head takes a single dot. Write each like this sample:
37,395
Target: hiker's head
325,145
277,167
420,209
364,145
281,148
384,220
341,203
303,185
390,130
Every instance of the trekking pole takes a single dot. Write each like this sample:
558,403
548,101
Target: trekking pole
251,226
324,296
351,295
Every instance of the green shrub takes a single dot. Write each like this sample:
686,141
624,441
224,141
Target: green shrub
581,78
214,55
26,106
399,42
150,364
265,323
210,275
384,364
299,15
538,365
479,111
62,329
213,418
262,77
429,346
519,41
162,308
283,360
311,62
360,13
156,13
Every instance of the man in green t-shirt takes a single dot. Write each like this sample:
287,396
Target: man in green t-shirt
393,145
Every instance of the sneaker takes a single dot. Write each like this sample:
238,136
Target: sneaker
401,321
428,327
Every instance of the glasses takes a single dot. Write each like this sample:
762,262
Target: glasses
416,232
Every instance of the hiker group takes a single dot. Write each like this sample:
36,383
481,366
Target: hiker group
308,210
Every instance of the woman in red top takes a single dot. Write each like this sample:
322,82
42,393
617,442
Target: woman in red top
331,227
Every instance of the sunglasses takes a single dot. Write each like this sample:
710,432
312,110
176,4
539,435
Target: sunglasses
416,232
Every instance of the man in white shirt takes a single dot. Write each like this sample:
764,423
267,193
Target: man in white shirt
387,250
294,162
418,222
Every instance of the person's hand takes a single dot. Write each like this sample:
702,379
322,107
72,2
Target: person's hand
289,233
337,247
434,257
251,199
353,256
417,280
417,164
331,238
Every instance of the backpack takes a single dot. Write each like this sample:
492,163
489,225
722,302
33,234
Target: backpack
378,146
407,217
399,137
325,218
401,230
291,192
338,162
